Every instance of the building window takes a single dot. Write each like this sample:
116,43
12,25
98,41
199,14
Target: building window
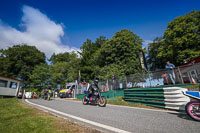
3,83
13,85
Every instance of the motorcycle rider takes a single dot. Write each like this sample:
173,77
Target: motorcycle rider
49,93
93,87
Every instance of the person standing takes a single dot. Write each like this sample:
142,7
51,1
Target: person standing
84,85
170,71
49,94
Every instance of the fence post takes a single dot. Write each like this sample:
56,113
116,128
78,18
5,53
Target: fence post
107,86
126,81
180,75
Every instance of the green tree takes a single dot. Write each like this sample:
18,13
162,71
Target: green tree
40,77
59,73
152,59
61,57
69,66
73,67
89,61
119,55
181,40
19,61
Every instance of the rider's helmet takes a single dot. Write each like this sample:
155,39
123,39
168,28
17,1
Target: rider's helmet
49,87
96,81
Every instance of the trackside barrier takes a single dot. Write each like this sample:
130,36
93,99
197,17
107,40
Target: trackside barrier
108,94
168,97
80,96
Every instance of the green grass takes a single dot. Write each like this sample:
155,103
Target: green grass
16,117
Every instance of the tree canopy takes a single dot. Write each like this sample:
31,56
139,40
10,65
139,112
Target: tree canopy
180,43
89,62
64,67
19,61
120,53
40,77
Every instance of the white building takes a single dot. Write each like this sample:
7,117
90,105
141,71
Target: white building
9,86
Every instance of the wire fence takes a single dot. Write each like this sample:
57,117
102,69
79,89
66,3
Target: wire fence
187,74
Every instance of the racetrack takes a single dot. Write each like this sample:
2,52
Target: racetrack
123,118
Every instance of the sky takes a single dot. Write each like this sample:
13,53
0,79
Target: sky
55,26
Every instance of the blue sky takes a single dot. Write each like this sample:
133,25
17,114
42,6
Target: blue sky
77,20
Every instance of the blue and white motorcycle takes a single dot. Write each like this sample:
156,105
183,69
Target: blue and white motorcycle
192,108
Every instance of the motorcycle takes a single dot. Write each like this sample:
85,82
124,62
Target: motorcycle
45,95
192,108
95,99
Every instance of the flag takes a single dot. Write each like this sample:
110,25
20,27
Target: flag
142,60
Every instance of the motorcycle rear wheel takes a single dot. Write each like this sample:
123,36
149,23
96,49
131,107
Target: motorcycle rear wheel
102,102
193,110
85,101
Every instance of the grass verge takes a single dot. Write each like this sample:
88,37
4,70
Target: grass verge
16,117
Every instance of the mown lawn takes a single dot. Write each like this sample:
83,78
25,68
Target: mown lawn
16,117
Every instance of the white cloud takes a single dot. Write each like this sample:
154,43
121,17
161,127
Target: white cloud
38,30
145,43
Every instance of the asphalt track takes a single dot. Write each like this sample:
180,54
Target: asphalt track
120,119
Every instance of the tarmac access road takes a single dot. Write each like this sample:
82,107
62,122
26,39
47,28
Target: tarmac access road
114,118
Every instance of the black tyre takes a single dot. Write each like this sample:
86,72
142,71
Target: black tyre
193,110
102,102
85,101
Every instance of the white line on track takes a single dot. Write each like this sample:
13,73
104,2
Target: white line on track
80,119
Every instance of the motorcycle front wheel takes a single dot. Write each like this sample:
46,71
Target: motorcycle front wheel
193,110
85,100
102,102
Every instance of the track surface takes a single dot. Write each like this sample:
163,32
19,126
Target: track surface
128,119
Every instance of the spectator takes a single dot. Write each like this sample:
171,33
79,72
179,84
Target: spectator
84,85
170,71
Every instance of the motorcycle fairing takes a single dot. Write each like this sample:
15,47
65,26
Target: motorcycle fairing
194,94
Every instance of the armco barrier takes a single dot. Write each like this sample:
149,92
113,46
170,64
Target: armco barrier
168,97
